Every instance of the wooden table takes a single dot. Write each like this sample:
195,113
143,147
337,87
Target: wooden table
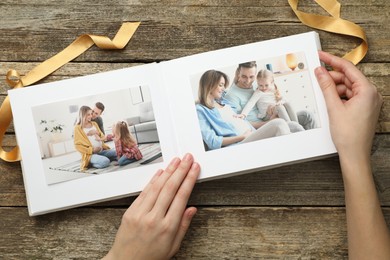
294,212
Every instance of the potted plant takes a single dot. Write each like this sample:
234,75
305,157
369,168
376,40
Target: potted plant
51,126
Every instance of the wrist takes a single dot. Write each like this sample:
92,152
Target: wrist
354,156
354,164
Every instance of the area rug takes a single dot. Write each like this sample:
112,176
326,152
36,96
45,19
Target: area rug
151,153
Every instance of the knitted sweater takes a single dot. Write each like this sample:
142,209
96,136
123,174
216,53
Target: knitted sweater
84,146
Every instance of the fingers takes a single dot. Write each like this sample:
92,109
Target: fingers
328,88
180,185
152,193
344,92
342,65
346,73
142,195
340,78
183,228
161,190
181,197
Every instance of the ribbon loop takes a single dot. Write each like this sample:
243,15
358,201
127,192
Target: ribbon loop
334,24
13,78
80,45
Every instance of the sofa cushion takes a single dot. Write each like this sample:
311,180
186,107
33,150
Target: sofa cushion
133,120
146,113
146,126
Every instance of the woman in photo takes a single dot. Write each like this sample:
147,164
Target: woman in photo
220,125
89,141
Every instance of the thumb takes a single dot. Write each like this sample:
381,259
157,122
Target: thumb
328,88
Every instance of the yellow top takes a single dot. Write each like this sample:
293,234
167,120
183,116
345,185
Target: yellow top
84,146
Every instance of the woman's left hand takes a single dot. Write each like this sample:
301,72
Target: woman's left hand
157,221
240,116
92,132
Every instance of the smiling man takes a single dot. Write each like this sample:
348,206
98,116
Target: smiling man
96,115
242,90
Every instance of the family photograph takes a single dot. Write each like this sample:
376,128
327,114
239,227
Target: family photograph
254,100
97,134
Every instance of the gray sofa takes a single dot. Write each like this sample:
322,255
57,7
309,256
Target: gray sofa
143,127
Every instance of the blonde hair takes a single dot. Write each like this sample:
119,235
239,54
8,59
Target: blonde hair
267,74
121,130
83,112
207,83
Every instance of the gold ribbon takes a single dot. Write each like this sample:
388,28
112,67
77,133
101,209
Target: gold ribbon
334,24
80,45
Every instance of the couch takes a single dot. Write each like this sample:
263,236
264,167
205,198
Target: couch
143,127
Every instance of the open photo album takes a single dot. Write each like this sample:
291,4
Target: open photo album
103,136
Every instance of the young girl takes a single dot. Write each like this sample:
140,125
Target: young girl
126,146
268,100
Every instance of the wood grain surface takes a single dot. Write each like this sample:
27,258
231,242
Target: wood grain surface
291,212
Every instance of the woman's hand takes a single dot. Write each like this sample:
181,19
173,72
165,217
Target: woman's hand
155,224
97,149
240,116
353,104
92,132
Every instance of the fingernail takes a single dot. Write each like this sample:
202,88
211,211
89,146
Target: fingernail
195,166
159,172
192,212
187,157
319,71
175,161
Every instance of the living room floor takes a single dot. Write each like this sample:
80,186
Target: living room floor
53,175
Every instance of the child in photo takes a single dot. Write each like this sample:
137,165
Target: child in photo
268,100
126,146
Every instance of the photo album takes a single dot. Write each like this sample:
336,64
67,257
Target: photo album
103,136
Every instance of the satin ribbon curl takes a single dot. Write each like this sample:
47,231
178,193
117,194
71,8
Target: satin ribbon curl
334,24
80,45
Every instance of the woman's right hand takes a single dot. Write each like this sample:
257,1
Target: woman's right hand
240,116
97,149
353,104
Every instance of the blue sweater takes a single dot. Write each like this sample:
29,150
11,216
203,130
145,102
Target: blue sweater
239,97
213,128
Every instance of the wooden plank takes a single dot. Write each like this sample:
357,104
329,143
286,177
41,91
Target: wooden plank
384,117
173,30
215,233
292,212
315,183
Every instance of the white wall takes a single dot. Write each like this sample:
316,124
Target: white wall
118,106
278,65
